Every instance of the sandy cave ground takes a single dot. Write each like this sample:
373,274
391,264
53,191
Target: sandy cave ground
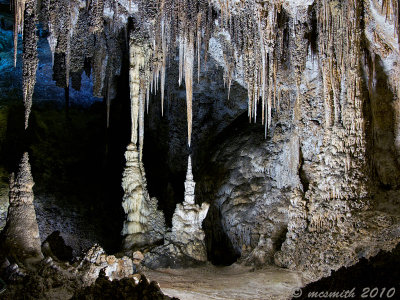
232,282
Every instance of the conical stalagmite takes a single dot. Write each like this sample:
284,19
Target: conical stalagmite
20,238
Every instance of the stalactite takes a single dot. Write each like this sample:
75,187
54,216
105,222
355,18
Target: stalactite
96,9
140,76
391,8
188,67
19,11
135,60
30,57
141,120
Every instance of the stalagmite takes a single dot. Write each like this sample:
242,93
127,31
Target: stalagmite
20,238
30,57
144,224
184,244
187,222
189,184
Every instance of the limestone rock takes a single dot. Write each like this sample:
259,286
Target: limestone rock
20,237
184,245
96,260
144,224
187,222
137,257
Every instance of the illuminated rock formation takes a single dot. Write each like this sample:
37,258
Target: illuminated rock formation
187,222
20,237
144,224
184,245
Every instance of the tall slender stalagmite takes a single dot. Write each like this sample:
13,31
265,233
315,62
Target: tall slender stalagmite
187,221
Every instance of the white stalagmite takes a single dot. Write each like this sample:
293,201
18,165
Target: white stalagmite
189,183
187,221
144,224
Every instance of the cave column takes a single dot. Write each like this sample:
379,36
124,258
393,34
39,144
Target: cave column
144,224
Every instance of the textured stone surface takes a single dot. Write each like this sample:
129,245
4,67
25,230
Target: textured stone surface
20,237
96,275
144,225
187,222
250,192
322,190
184,244
96,260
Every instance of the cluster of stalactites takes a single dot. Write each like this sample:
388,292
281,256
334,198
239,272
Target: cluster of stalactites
256,39
178,24
253,30
339,46
188,26
391,8
140,59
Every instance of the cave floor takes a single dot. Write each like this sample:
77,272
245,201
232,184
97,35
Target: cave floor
232,282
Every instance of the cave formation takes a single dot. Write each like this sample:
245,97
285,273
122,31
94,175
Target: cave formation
230,148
